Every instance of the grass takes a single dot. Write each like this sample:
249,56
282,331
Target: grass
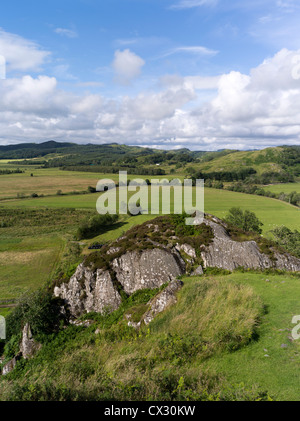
285,188
261,161
30,266
221,341
31,247
271,212
48,181
279,371
163,361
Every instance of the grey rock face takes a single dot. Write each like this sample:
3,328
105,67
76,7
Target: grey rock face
198,271
28,346
94,289
159,303
187,249
149,269
225,253
89,291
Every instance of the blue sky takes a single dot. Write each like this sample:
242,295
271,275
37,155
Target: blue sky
203,74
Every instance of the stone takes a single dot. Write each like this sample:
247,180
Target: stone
28,346
8,367
147,269
198,271
97,290
225,253
89,291
163,300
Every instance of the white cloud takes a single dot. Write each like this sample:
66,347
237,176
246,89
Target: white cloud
69,33
252,110
127,66
188,4
21,54
198,50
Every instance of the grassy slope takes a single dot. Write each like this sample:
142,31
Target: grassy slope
279,372
203,339
261,161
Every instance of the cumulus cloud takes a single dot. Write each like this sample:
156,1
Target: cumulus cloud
127,66
21,54
252,110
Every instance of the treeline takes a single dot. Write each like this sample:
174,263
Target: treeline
5,172
248,175
234,175
115,170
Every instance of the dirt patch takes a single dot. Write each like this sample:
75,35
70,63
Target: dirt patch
25,257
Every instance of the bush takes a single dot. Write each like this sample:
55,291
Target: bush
40,310
288,239
95,226
246,220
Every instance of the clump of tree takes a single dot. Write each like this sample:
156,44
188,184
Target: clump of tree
41,310
6,172
288,239
246,220
95,226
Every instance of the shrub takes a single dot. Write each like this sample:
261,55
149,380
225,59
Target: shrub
95,226
246,220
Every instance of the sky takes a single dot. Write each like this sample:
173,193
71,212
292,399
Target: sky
168,74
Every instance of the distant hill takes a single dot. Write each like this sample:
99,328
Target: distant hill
277,164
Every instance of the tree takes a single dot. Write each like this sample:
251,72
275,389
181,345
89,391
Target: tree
288,239
246,220
95,226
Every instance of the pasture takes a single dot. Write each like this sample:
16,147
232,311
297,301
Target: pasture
271,212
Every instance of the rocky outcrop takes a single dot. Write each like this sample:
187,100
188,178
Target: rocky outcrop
89,291
154,254
28,346
149,269
225,253
163,300
157,305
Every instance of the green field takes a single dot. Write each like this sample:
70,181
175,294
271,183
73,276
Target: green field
49,181
278,372
272,212
285,188
34,238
